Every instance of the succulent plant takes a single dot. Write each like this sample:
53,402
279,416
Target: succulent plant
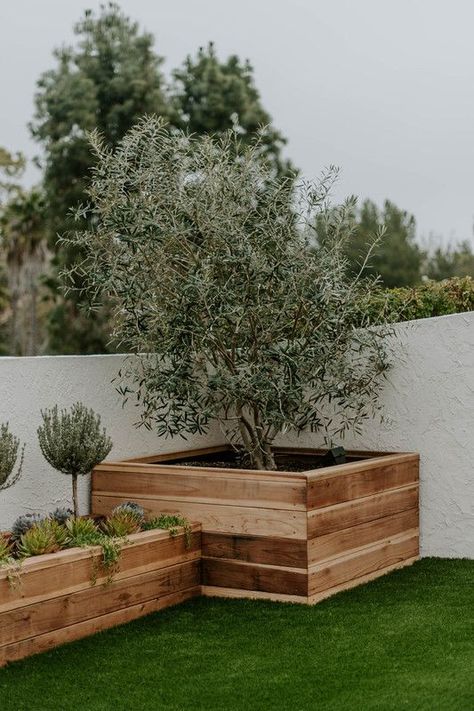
82,532
47,536
61,514
24,523
132,508
5,549
171,523
122,523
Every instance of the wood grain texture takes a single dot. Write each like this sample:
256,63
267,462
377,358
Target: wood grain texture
369,559
362,580
217,488
289,552
47,576
339,542
219,518
250,576
210,591
48,615
341,516
55,638
346,482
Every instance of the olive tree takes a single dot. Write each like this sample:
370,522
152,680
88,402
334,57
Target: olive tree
73,442
206,259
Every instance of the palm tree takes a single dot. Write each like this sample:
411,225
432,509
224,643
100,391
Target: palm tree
24,248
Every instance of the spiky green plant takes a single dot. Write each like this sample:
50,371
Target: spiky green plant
47,536
10,452
5,550
73,442
122,523
171,523
82,532
132,508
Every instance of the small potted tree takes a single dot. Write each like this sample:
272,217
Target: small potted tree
73,442
214,277
11,457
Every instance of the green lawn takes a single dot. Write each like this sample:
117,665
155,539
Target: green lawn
405,641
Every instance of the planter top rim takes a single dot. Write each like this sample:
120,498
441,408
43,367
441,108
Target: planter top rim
78,553
162,463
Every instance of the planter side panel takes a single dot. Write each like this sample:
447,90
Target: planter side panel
146,582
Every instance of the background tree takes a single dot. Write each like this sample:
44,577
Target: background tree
244,326
397,258
451,261
108,80
23,247
211,96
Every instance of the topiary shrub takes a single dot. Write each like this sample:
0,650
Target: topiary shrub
73,442
9,452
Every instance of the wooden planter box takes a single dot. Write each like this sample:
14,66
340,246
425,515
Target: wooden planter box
54,601
280,535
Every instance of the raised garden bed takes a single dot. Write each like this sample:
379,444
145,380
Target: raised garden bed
284,535
57,598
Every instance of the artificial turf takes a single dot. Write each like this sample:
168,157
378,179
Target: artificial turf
404,641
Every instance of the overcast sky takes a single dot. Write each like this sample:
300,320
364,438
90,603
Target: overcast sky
384,89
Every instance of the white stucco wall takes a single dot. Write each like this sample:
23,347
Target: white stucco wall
428,407
28,385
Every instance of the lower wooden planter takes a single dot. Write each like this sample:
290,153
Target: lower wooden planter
53,601
294,536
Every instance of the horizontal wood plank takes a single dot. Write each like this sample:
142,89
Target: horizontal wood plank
197,487
250,576
289,552
43,577
48,615
42,643
341,516
362,580
210,591
219,518
339,542
354,481
370,559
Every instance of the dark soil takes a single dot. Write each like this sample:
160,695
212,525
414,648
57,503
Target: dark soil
235,460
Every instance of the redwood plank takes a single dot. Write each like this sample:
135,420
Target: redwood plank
289,552
341,516
340,542
370,559
43,577
204,488
41,643
354,481
219,518
48,615
249,576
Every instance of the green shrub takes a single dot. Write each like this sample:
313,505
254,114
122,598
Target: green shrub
432,298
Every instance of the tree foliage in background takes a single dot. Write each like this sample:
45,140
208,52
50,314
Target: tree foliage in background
108,80
73,442
241,325
451,261
23,250
211,96
397,258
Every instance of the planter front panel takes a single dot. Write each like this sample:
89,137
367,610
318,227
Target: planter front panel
54,600
281,535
